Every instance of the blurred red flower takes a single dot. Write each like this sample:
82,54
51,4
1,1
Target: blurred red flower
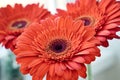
13,20
104,16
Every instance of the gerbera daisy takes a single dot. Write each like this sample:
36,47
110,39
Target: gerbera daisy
14,19
58,48
104,16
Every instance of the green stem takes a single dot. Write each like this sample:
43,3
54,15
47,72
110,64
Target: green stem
89,72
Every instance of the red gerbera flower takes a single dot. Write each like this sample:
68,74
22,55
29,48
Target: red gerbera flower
58,48
104,16
14,19
111,11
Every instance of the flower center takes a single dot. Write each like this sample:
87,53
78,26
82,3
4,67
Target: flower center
86,20
19,24
58,45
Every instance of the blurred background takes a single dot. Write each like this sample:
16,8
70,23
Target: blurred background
106,67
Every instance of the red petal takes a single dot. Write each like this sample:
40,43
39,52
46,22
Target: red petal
115,9
75,77
58,69
105,3
35,62
61,12
110,26
74,65
43,69
24,69
63,67
117,20
89,34
67,75
27,54
34,69
68,66
52,70
105,44
101,38
83,52
87,59
9,37
87,45
82,72
2,37
35,77
79,59
103,32
25,59
116,15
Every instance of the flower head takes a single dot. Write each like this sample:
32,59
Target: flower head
13,20
111,11
103,16
57,48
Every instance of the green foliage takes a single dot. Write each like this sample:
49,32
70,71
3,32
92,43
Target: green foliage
11,68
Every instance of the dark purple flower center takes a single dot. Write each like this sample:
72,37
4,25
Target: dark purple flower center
58,45
19,24
87,21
